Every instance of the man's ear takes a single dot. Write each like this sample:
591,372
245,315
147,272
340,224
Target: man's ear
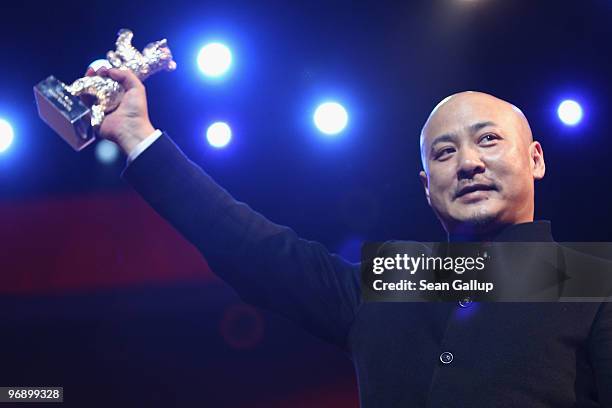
423,178
536,155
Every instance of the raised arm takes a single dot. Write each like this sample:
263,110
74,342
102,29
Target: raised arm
267,264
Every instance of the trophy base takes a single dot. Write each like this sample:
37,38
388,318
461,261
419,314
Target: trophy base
65,113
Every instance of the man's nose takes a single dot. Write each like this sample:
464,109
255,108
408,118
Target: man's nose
470,163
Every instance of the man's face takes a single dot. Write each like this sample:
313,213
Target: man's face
480,164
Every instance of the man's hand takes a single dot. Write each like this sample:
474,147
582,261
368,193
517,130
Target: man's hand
129,123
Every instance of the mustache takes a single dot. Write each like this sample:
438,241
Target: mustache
474,185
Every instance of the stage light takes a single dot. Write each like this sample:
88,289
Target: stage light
6,135
106,152
570,112
330,118
219,134
214,59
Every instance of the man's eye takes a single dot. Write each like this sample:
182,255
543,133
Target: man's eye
489,137
444,153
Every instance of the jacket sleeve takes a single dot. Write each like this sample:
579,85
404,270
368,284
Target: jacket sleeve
267,264
600,351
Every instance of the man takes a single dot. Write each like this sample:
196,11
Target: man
480,163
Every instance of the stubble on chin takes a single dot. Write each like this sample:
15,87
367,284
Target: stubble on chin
477,218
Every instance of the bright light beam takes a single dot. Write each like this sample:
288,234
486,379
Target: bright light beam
219,134
570,112
6,135
330,118
214,59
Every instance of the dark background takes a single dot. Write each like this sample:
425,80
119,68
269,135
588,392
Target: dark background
389,63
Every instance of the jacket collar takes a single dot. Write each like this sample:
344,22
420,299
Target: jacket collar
536,231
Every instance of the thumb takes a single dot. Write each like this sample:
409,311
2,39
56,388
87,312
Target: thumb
125,77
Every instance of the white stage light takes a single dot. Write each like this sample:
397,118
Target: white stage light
570,112
214,59
219,134
330,118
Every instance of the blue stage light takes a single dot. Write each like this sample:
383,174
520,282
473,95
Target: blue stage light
106,152
214,59
330,118
570,112
219,134
6,135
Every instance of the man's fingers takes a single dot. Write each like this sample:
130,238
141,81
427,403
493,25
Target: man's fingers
97,64
126,78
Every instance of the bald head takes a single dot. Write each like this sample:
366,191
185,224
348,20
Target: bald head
479,163
477,107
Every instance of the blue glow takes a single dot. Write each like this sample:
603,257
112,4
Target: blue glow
214,59
570,112
464,313
219,134
330,118
350,249
6,135
106,152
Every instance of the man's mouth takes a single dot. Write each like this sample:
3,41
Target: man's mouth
474,187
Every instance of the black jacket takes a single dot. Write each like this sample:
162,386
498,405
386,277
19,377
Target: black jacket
405,354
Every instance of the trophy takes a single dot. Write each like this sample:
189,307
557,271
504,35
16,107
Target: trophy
63,107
